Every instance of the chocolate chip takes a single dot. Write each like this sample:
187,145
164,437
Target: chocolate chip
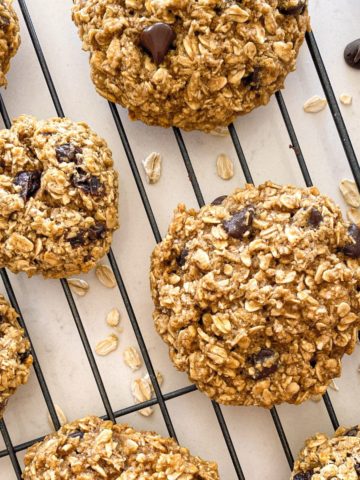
253,80
29,183
353,249
260,360
315,218
181,259
78,240
67,152
313,361
219,200
304,476
352,432
76,434
357,469
287,9
88,183
4,21
240,223
157,40
23,356
97,231
352,54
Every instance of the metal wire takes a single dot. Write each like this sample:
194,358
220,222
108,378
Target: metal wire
161,398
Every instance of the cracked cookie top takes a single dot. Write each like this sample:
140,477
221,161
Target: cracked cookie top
257,294
9,37
194,64
15,356
58,197
325,458
97,449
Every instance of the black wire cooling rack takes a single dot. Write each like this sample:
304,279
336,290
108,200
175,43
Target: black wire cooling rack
160,398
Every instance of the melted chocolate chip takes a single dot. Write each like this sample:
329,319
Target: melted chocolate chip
4,21
240,223
352,432
181,259
315,218
97,231
88,183
29,183
253,80
287,9
260,360
219,200
76,434
157,40
304,476
352,54
67,152
86,236
313,361
79,239
23,356
353,249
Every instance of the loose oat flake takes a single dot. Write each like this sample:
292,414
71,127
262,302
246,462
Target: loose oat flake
113,317
315,104
106,276
224,167
132,358
78,286
152,166
350,192
108,345
345,99
141,391
333,386
61,417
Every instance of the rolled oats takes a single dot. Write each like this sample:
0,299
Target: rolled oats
152,166
353,215
350,192
345,99
79,286
132,358
315,104
113,317
105,276
224,167
108,345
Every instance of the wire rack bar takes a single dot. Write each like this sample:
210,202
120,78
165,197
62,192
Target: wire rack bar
10,449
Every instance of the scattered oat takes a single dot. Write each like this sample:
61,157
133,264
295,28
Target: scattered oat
78,286
141,391
350,192
315,104
224,167
106,276
353,215
160,379
113,317
333,386
132,358
108,345
152,166
61,416
316,398
345,99
220,132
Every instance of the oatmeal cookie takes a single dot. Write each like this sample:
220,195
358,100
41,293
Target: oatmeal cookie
15,357
324,458
58,197
9,37
256,294
194,64
95,449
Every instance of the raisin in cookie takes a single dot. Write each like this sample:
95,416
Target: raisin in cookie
9,37
15,357
95,449
256,294
58,197
324,458
194,64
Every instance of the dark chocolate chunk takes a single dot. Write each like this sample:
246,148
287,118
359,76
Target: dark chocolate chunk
240,223
88,183
181,259
79,239
352,432
253,80
29,183
76,434
296,9
219,200
265,363
97,231
304,476
352,54
23,356
353,249
157,40
315,218
313,361
68,152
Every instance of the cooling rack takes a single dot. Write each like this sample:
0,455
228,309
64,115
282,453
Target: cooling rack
13,450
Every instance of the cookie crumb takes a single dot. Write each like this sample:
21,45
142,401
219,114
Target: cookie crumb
152,165
345,99
315,104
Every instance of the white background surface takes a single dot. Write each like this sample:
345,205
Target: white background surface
265,143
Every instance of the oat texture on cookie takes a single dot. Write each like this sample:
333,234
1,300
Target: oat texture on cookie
257,294
15,356
325,458
94,449
58,197
194,64
9,37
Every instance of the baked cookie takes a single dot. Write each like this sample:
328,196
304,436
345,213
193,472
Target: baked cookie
325,458
256,294
15,357
9,37
58,197
95,449
194,64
